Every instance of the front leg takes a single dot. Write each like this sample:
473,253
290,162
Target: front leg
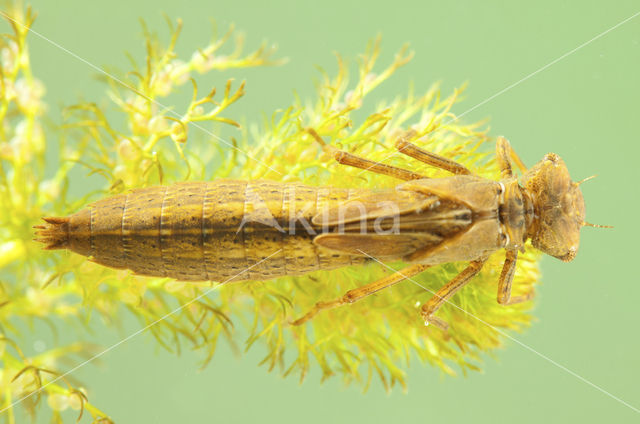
506,279
504,155
445,293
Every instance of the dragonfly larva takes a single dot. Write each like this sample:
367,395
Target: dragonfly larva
223,230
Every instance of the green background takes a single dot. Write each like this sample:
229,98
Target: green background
585,107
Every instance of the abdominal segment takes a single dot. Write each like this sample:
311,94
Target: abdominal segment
204,231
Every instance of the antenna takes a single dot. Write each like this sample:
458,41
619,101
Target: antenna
586,179
588,224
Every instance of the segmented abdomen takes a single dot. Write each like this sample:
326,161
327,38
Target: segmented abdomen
198,231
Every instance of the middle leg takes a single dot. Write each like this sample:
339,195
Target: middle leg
445,293
410,149
346,158
361,292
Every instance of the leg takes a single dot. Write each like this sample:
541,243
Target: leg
356,294
445,293
506,278
410,149
346,158
505,154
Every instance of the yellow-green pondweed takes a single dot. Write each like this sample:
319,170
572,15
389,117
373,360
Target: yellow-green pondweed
374,337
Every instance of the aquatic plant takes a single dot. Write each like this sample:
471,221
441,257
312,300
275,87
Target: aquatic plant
140,141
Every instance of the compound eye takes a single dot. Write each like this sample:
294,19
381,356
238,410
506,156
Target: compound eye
552,157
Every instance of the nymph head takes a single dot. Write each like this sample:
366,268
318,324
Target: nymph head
558,206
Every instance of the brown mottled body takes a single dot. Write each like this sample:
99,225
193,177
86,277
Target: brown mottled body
258,230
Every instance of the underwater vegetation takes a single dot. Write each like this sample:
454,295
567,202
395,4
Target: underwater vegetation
139,140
